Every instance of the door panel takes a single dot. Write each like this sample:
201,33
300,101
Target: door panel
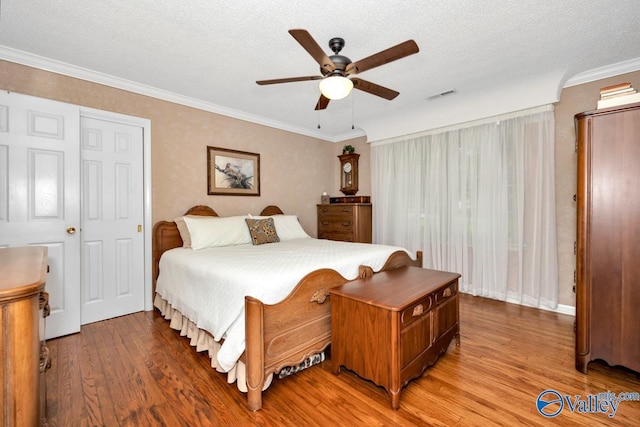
46,185
113,202
40,195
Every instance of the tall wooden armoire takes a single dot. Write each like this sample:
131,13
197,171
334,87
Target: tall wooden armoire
608,237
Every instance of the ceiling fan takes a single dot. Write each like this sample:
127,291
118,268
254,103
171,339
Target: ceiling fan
336,69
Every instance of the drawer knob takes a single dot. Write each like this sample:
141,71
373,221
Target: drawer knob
447,293
418,310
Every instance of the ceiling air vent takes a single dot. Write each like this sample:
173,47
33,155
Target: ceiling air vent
441,94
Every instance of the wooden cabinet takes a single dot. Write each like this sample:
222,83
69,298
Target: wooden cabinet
390,327
349,222
608,237
22,302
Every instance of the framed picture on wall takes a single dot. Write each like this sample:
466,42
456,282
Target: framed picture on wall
232,172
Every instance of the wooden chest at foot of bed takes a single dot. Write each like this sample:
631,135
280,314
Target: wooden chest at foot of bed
390,327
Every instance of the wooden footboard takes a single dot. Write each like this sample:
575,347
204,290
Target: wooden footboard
286,333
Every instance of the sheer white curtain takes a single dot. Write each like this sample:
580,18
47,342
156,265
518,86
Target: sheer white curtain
477,199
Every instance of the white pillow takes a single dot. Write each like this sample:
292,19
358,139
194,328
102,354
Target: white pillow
213,231
287,226
184,232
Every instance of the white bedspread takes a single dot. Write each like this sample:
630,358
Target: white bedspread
209,286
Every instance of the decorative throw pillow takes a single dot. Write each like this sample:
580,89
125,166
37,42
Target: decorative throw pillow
288,227
262,231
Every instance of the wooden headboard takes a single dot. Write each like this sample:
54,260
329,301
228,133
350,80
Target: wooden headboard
271,210
166,235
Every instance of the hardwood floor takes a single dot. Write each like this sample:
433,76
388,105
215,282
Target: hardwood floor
135,371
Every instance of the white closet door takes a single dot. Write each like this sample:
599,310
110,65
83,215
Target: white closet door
40,195
112,219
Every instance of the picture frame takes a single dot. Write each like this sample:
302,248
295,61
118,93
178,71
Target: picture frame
232,172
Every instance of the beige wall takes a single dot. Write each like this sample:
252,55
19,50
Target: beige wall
573,100
295,169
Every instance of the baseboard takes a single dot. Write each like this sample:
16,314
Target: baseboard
561,308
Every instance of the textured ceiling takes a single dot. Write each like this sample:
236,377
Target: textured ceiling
498,55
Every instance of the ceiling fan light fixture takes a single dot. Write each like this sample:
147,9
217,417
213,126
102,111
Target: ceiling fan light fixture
335,87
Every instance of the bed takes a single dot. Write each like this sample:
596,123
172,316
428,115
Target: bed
252,333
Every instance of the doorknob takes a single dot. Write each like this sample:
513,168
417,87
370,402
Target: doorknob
71,230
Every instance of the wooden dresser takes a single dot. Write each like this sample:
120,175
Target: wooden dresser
390,327
348,222
23,303
608,237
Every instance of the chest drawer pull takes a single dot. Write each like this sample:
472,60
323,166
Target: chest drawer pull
418,310
446,293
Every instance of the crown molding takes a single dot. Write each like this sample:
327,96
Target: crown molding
604,72
58,67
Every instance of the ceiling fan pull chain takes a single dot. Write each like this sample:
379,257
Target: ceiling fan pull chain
353,111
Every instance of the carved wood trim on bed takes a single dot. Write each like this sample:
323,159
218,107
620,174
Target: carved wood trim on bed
282,334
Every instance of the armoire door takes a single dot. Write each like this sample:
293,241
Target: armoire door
608,237
40,195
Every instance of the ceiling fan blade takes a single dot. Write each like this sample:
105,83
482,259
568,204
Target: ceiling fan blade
322,102
384,57
374,89
311,46
288,80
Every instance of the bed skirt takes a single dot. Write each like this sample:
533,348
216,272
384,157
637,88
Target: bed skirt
203,341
